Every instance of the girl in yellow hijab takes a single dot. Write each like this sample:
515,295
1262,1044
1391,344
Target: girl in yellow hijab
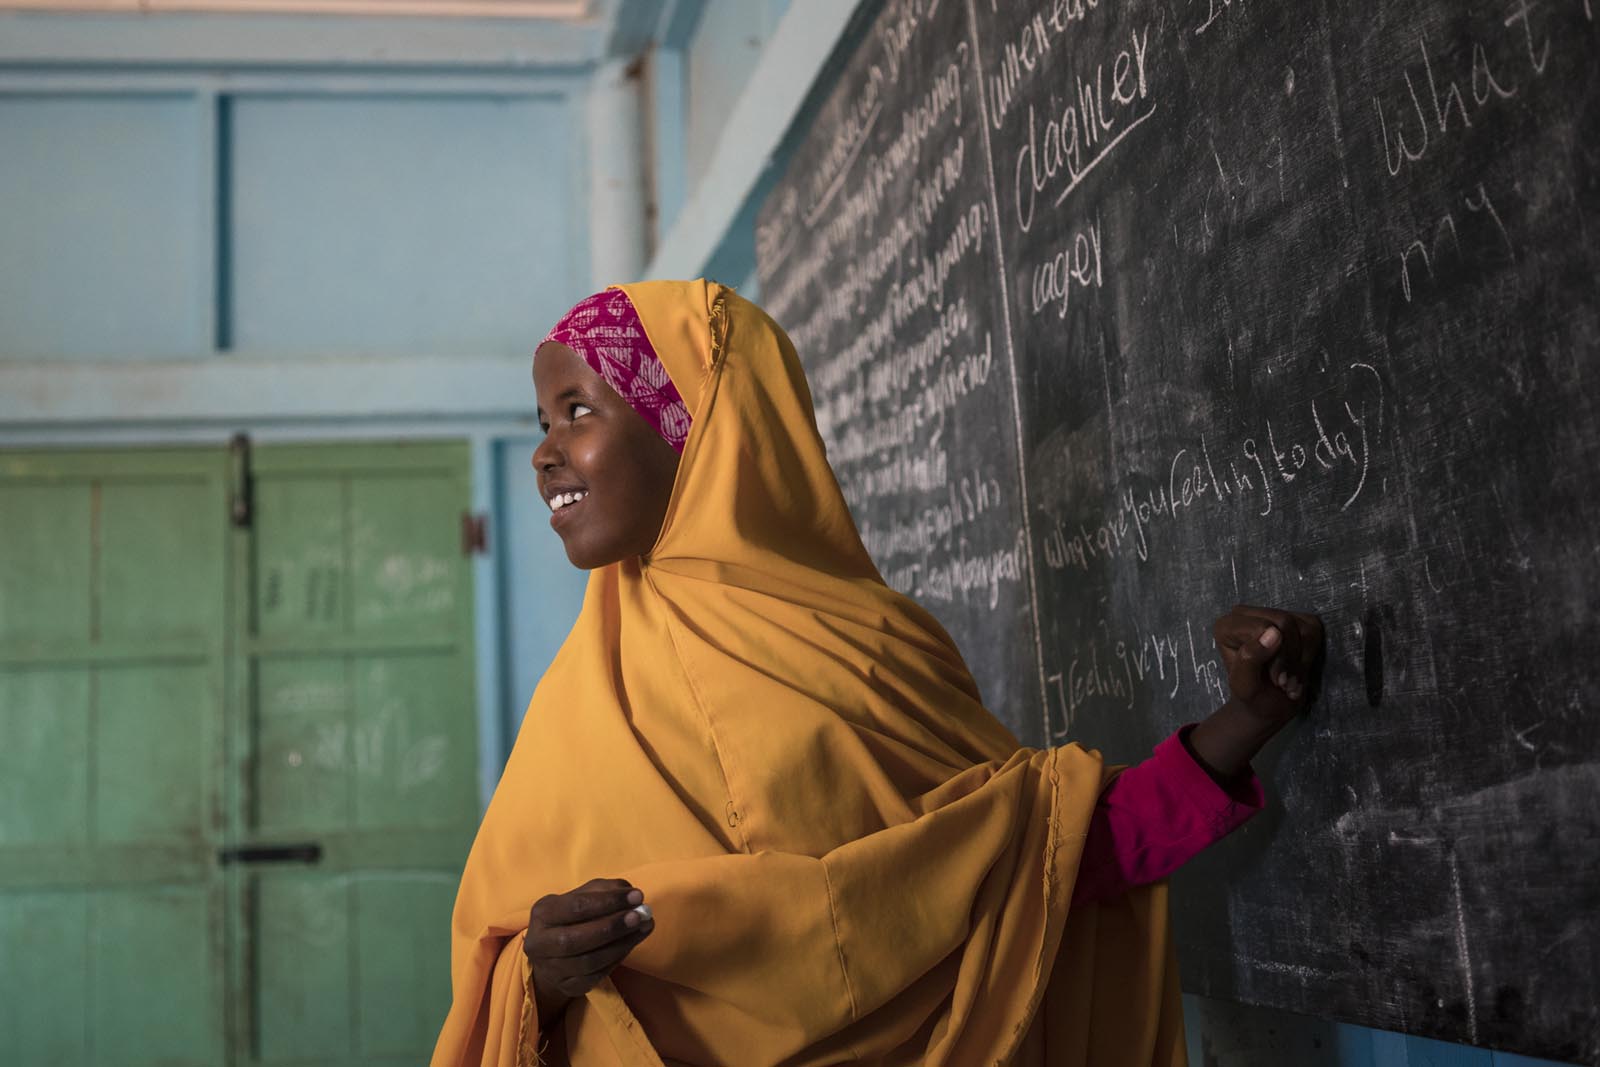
796,834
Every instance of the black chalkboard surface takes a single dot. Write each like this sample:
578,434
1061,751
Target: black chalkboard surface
1119,314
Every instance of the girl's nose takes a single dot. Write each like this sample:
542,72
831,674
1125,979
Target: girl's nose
547,454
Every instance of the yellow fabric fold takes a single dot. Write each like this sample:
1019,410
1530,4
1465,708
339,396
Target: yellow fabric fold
848,857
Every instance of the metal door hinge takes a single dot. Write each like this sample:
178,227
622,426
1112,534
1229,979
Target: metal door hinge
474,534
240,503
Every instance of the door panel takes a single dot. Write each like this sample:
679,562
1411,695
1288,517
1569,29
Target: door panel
44,572
45,938
170,685
346,972
300,551
153,589
410,767
112,659
44,763
406,575
302,746
156,941
156,748
304,965
397,1011
363,740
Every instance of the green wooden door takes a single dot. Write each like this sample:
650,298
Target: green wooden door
362,741
112,803
179,699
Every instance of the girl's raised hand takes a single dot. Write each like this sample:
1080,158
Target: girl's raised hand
1271,657
575,938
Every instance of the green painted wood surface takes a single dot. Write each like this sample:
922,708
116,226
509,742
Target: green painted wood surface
170,685
112,667
357,699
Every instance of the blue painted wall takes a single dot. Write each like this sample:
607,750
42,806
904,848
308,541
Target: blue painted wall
294,223
398,224
103,252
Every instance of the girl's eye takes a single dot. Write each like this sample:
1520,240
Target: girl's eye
581,409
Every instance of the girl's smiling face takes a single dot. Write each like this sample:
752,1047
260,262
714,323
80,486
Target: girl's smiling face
605,473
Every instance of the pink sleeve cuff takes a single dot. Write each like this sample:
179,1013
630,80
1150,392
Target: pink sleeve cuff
1155,817
1228,807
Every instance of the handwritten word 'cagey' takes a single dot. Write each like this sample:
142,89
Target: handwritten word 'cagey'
1077,263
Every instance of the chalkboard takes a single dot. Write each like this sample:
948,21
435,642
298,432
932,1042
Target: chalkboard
1119,314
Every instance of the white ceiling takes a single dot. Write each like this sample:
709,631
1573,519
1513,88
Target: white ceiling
559,10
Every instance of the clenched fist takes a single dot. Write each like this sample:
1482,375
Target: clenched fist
575,938
1270,656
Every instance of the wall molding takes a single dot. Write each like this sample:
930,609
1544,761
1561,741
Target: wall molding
33,39
568,10
229,390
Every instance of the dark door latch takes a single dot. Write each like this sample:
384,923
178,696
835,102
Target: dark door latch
308,852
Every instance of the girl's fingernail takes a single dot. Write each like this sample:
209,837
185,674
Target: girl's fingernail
1270,637
630,920
635,897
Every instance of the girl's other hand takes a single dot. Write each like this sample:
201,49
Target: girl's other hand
576,938
1271,657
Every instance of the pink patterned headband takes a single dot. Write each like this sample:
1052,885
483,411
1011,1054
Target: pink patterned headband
605,330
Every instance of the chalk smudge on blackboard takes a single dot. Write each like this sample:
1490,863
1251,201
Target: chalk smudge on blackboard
1372,657
1462,948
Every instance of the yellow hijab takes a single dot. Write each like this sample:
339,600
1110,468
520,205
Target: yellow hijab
848,858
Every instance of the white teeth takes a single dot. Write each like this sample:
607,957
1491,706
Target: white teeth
561,500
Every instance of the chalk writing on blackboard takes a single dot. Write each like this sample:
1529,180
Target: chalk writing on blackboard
1118,313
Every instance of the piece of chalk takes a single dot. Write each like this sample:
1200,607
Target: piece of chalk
644,912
